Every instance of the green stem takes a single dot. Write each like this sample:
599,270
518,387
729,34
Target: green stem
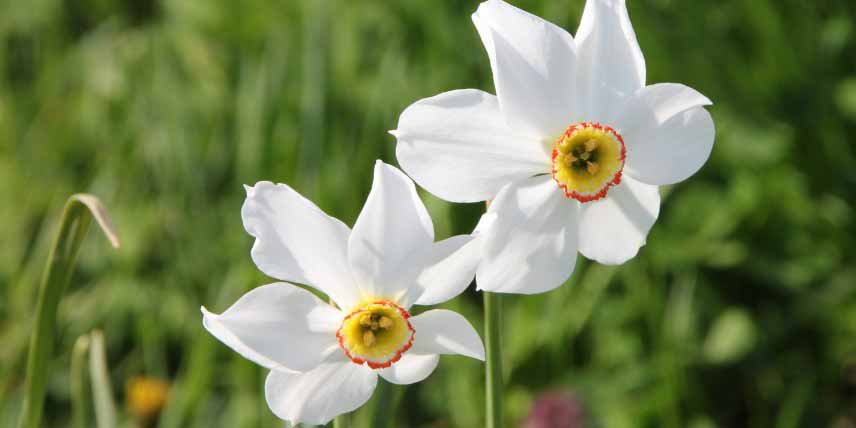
340,421
76,218
493,366
382,410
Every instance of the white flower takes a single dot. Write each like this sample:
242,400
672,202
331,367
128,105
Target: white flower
571,149
325,359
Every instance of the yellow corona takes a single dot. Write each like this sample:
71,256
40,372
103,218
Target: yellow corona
376,334
587,160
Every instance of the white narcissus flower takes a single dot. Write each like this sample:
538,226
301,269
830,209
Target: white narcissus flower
325,359
571,149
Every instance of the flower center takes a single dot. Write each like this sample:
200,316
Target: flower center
376,334
587,161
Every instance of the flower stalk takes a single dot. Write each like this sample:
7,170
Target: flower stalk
77,216
493,366
493,358
339,422
381,414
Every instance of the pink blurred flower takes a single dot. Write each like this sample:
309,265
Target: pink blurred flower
556,409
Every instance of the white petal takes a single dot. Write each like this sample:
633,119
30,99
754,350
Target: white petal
450,268
614,228
279,326
441,331
655,104
533,64
485,222
610,64
531,245
296,241
317,396
411,368
669,135
457,146
393,228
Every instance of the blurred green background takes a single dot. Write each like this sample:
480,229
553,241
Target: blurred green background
740,312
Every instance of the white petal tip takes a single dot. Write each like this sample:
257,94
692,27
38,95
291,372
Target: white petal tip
394,132
615,260
259,186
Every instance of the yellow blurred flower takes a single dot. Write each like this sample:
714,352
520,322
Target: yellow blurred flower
146,397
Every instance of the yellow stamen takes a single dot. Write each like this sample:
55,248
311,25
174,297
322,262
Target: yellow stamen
592,168
570,159
385,323
368,338
590,145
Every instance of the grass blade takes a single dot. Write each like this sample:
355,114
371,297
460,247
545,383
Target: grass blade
102,393
77,215
79,396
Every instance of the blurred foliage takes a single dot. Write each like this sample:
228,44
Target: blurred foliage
740,312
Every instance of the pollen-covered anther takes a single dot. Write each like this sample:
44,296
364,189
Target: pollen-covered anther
587,160
592,168
376,334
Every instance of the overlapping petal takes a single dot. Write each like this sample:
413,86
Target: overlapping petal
530,245
441,331
279,326
610,62
669,134
613,229
449,269
533,62
297,242
411,368
458,146
317,396
392,229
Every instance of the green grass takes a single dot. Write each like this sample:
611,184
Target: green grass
740,312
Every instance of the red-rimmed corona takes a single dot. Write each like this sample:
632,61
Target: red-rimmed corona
376,334
587,160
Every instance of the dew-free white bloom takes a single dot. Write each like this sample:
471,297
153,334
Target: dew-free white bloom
571,149
325,359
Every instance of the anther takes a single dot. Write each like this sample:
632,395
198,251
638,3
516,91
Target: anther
592,168
368,338
590,145
570,159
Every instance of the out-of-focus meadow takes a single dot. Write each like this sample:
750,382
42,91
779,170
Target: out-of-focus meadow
740,311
